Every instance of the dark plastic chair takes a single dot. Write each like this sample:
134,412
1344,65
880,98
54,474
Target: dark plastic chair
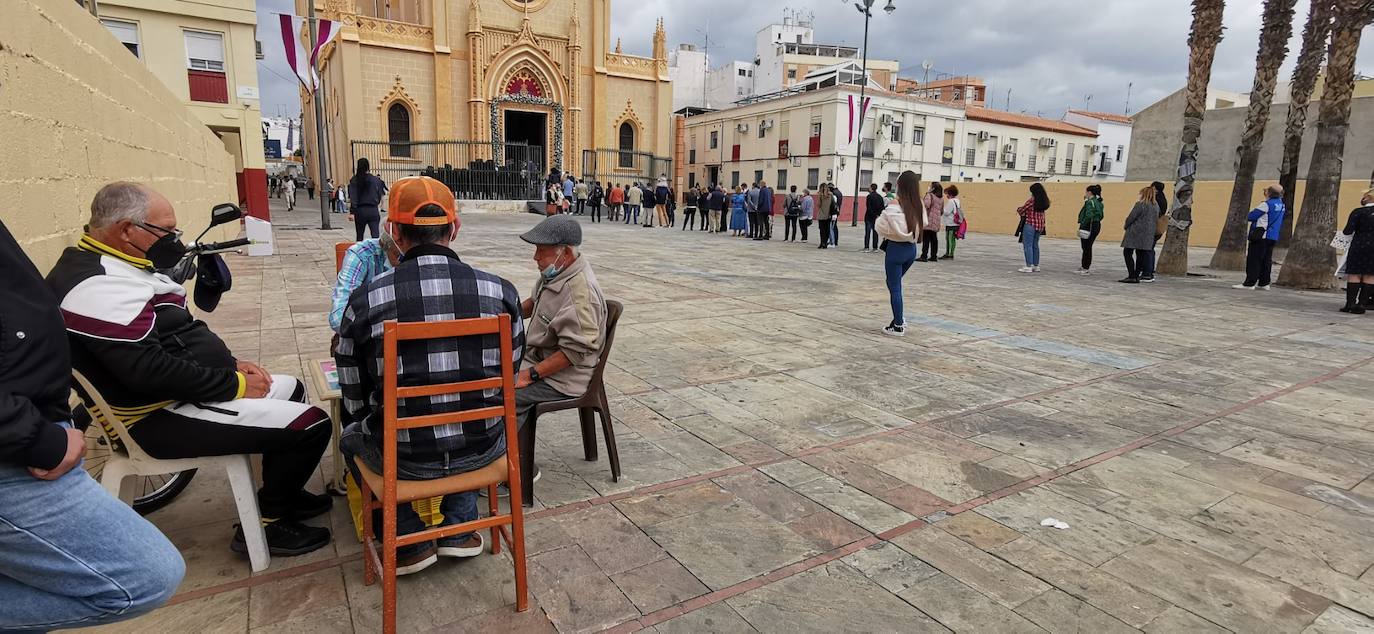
592,402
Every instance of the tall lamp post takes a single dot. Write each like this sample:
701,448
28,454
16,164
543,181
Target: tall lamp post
865,7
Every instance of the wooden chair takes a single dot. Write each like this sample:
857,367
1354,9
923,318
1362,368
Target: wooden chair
121,467
591,403
339,249
505,469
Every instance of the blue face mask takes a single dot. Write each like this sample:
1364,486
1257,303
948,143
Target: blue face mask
551,271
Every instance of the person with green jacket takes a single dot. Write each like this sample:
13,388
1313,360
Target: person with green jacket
1090,225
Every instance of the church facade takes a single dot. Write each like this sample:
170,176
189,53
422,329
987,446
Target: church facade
488,80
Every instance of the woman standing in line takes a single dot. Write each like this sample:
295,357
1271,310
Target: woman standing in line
1033,226
808,212
934,203
825,215
365,193
689,208
899,225
553,200
791,212
952,217
739,219
1090,225
594,200
1359,258
1139,240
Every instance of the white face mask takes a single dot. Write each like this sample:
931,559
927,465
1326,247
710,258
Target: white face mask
552,270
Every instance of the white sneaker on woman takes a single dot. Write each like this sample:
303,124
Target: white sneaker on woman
1026,269
1036,268
895,331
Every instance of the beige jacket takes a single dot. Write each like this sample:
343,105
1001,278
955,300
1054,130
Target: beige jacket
570,315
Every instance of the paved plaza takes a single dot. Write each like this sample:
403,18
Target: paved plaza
789,468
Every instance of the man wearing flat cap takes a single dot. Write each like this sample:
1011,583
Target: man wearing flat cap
565,320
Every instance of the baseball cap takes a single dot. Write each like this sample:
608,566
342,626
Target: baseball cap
409,195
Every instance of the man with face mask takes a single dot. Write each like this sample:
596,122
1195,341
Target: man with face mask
565,320
172,381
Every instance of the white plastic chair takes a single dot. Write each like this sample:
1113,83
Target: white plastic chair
122,466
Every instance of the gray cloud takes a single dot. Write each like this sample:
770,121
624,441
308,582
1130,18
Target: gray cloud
1051,54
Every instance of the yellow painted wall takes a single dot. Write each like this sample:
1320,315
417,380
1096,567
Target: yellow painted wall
78,111
991,207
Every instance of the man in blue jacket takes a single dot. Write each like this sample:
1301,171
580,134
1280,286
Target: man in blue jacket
765,213
1266,219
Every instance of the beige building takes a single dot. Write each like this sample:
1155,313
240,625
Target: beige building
524,85
803,139
205,53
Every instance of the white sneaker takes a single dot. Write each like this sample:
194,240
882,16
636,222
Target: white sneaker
1026,269
895,331
1262,288
1242,287
1036,268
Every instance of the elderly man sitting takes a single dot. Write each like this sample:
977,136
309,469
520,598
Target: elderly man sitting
172,381
430,283
566,320
361,262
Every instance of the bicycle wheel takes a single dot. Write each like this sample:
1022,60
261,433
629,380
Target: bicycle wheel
150,492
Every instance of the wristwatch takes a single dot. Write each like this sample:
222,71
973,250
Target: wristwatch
534,373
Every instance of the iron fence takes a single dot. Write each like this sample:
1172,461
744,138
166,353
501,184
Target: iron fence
471,169
602,165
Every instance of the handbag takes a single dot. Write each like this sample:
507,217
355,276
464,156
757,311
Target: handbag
1084,234
1020,227
1341,242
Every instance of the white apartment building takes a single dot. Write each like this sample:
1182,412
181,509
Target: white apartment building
728,84
1113,141
688,69
803,139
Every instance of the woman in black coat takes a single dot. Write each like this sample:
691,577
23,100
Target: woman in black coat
365,193
1359,259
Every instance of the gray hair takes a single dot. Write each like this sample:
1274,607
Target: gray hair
118,201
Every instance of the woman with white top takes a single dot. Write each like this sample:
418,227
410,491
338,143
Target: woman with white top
951,218
900,225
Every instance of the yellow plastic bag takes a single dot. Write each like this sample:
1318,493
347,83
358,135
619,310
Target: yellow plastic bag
428,509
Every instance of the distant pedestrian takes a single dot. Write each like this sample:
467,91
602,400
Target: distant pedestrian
791,214
1139,234
952,218
650,204
889,193
739,212
289,191
1266,220
899,225
874,204
808,212
1147,270
569,187
1090,225
553,199
689,208
580,194
718,204
365,192
1359,257
751,208
825,215
663,196
310,187
1033,226
765,212
634,197
595,199
835,215
616,199
934,203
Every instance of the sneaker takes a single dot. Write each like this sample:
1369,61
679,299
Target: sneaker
1148,280
946,257
1262,288
504,491
865,250
1242,287
894,330
413,559
1037,268
1084,272
285,538
1026,269
923,259
1129,280
462,547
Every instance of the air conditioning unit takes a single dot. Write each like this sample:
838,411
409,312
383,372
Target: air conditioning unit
1009,149
1009,158
885,120
1048,142
766,125
741,127
983,136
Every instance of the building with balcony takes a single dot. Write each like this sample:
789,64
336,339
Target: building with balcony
526,85
1113,147
206,54
963,90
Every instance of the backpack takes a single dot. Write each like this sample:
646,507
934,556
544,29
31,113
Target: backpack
794,205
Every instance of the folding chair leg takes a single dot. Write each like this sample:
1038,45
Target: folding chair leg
587,416
612,452
246,499
369,535
495,507
527,436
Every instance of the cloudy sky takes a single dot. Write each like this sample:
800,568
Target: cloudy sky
1051,54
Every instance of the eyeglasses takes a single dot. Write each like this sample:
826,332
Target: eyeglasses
149,227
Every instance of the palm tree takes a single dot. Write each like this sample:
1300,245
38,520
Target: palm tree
1202,47
1311,262
1304,81
1273,47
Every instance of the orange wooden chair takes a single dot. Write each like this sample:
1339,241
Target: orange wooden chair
505,469
339,249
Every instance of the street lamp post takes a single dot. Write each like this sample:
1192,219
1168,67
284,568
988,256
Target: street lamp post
865,7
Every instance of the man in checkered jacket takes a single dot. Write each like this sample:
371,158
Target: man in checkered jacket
429,284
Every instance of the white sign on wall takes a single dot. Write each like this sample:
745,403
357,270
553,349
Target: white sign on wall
248,92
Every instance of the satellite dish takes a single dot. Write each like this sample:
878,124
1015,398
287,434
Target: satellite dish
927,65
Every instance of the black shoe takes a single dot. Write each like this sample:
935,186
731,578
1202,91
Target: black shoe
922,259
285,538
1130,280
1354,309
304,506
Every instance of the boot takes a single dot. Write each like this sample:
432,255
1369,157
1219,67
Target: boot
1352,299
1367,295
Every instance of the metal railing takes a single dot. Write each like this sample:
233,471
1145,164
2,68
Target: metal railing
619,166
471,169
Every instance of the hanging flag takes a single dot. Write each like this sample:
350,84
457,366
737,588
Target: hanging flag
862,111
305,66
851,119
327,29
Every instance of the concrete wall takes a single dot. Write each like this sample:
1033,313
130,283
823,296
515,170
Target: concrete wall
78,111
1155,142
991,207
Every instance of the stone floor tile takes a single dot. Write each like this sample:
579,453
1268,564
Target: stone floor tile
1060,613
337,619
1327,464
726,545
223,613
1137,475
1338,620
985,573
1092,536
717,618
890,567
209,562
854,505
768,495
658,585
1146,514
914,500
607,537
963,609
826,530
575,593
1352,500
1314,576
1177,620
297,597
978,530
753,452
792,472
655,508
1282,529
829,598
1128,604
503,619
1221,591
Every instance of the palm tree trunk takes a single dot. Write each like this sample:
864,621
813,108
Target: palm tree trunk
1304,81
1311,262
1202,45
1273,48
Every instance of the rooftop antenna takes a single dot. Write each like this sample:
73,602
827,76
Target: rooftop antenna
926,66
1087,102
1128,98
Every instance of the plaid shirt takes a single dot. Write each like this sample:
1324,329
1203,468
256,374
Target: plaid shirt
1034,218
361,262
430,284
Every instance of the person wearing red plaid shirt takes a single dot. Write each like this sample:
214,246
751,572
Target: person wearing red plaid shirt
1033,226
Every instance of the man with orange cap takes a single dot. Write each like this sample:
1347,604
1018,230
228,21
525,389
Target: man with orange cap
430,283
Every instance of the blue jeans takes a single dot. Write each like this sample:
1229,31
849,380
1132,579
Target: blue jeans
1030,243
631,210
870,231
899,257
72,555
456,508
